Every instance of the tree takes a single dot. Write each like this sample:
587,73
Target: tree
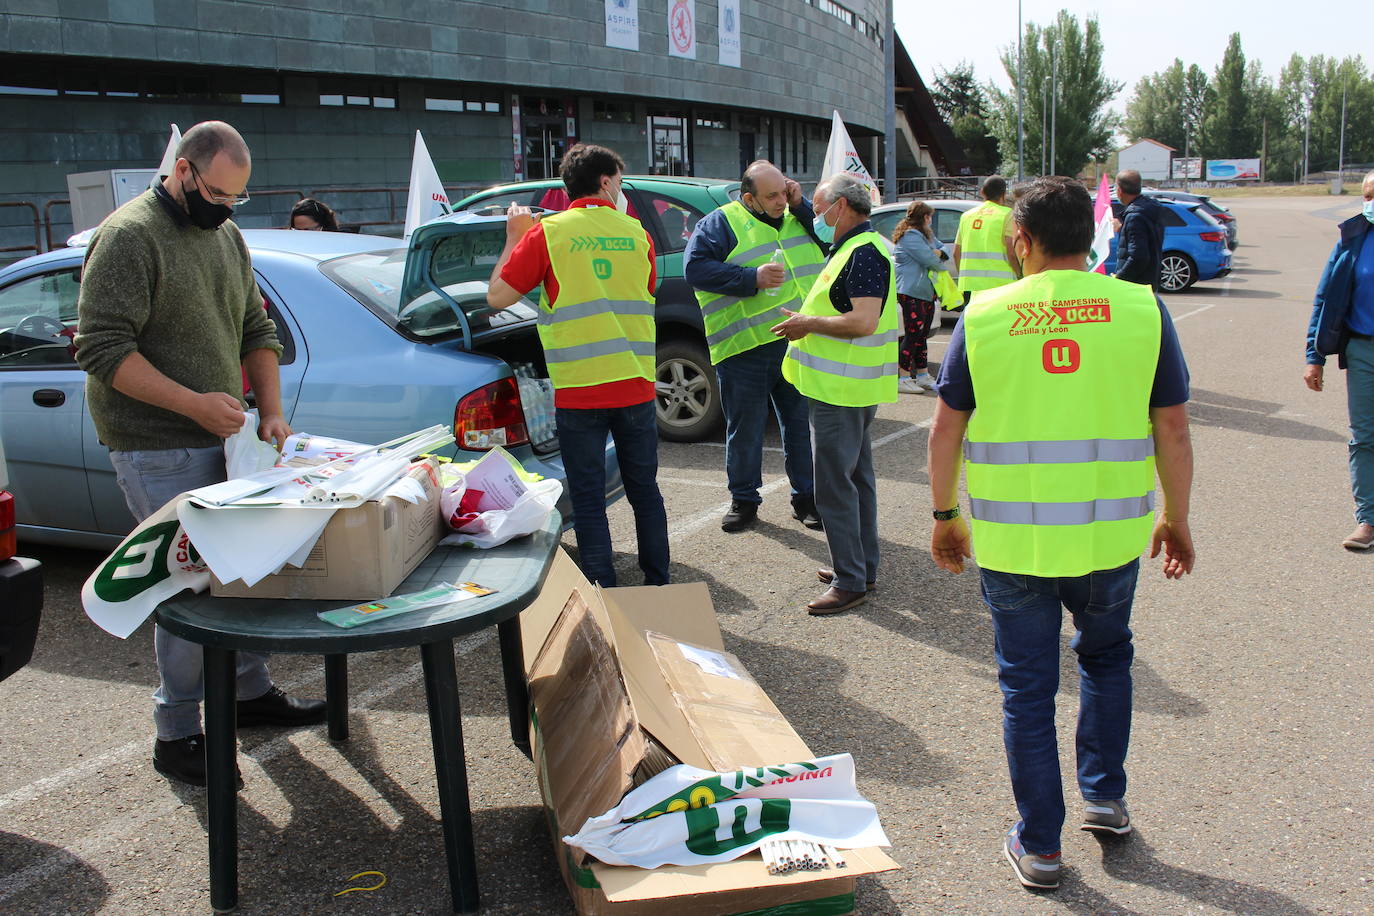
1155,110
1084,124
963,104
1228,130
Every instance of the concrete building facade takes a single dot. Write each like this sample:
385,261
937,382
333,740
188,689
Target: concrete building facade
329,93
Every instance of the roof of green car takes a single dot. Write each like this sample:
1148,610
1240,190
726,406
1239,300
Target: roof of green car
632,179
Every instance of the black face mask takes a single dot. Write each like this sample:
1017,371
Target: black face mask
204,214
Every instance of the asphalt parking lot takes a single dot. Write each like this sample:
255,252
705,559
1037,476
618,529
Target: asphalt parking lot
1250,761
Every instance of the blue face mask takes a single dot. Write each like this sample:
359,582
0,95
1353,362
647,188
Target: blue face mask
1369,210
824,232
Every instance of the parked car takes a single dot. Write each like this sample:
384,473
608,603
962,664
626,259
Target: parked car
1213,209
379,339
21,590
1194,246
688,405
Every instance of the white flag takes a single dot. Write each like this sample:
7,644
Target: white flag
842,156
1102,237
169,156
427,199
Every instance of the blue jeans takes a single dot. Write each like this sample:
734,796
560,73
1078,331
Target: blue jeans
1359,393
847,491
582,437
150,480
1026,616
748,382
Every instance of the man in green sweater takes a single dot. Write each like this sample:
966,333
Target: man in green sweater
169,314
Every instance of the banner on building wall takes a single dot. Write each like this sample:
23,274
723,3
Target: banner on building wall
842,156
682,28
427,198
622,24
517,139
729,32
1187,168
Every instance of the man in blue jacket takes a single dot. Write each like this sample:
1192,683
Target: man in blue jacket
1141,243
1343,324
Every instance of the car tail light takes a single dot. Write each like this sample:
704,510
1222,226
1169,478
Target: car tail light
491,416
1212,236
7,539
1222,217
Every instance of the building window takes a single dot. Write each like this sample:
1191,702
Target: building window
462,99
617,112
834,9
712,119
357,94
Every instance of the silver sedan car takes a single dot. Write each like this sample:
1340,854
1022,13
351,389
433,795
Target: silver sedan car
380,339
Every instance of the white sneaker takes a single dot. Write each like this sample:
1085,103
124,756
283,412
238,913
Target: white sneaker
924,380
908,385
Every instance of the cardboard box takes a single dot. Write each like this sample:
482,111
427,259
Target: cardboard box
363,553
598,733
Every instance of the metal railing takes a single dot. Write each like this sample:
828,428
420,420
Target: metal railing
36,247
48,221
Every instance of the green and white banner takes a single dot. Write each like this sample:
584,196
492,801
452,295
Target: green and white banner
690,816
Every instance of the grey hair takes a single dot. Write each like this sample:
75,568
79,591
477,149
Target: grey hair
851,188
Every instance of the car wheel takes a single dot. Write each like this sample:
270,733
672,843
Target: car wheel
1177,272
687,393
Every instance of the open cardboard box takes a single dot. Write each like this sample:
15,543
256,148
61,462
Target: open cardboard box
615,700
363,553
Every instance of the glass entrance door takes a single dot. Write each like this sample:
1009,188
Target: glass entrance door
668,145
546,136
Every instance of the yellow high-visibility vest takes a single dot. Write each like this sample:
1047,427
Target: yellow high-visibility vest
735,325
1059,452
601,329
847,372
982,249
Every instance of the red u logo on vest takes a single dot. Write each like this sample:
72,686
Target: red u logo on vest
1060,355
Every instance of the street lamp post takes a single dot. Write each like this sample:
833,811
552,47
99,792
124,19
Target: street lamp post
1020,114
1054,100
1340,161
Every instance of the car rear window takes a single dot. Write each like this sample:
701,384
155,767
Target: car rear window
461,266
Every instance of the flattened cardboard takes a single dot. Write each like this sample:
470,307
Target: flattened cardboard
681,613
591,741
732,719
363,553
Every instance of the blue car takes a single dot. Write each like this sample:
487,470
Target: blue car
1195,246
380,339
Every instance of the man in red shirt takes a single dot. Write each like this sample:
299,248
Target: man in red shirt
596,322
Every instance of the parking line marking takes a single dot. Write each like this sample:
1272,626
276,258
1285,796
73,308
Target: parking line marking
1196,311
701,520
114,832
691,482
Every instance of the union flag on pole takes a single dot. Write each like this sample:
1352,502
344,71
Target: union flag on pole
1102,238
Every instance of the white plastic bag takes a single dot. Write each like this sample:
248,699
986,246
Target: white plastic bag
494,527
690,816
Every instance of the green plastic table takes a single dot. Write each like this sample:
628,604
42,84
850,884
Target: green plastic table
226,626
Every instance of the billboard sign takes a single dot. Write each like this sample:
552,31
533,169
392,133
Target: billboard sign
1233,169
1187,168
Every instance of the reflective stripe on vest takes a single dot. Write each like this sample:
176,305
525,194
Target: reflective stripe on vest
1063,452
859,372
1060,457
982,250
736,324
601,328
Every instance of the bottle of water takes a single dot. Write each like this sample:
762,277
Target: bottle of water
777,259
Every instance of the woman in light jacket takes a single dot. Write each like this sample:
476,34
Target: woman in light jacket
917,254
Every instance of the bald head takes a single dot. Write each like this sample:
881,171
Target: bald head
1127,185
208,139
763,188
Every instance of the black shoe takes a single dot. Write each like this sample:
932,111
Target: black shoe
741,515
804,511
276,708
183,759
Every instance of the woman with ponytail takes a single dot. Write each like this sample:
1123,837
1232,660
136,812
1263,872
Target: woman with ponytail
916,255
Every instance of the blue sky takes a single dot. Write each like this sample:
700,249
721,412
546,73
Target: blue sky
1139,38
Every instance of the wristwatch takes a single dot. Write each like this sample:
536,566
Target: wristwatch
944,515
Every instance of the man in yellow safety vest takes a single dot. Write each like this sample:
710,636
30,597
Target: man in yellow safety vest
596,322
843,357
746,260
1072,390
983,252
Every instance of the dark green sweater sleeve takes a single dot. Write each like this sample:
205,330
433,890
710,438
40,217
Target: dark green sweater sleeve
115,301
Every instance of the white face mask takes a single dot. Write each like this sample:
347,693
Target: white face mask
1368,210
621,203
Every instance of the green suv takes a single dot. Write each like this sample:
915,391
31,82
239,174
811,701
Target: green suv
688,395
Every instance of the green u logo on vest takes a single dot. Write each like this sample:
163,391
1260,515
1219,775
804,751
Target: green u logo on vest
602,268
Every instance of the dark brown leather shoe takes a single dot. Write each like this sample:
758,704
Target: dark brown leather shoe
827,575
834,601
